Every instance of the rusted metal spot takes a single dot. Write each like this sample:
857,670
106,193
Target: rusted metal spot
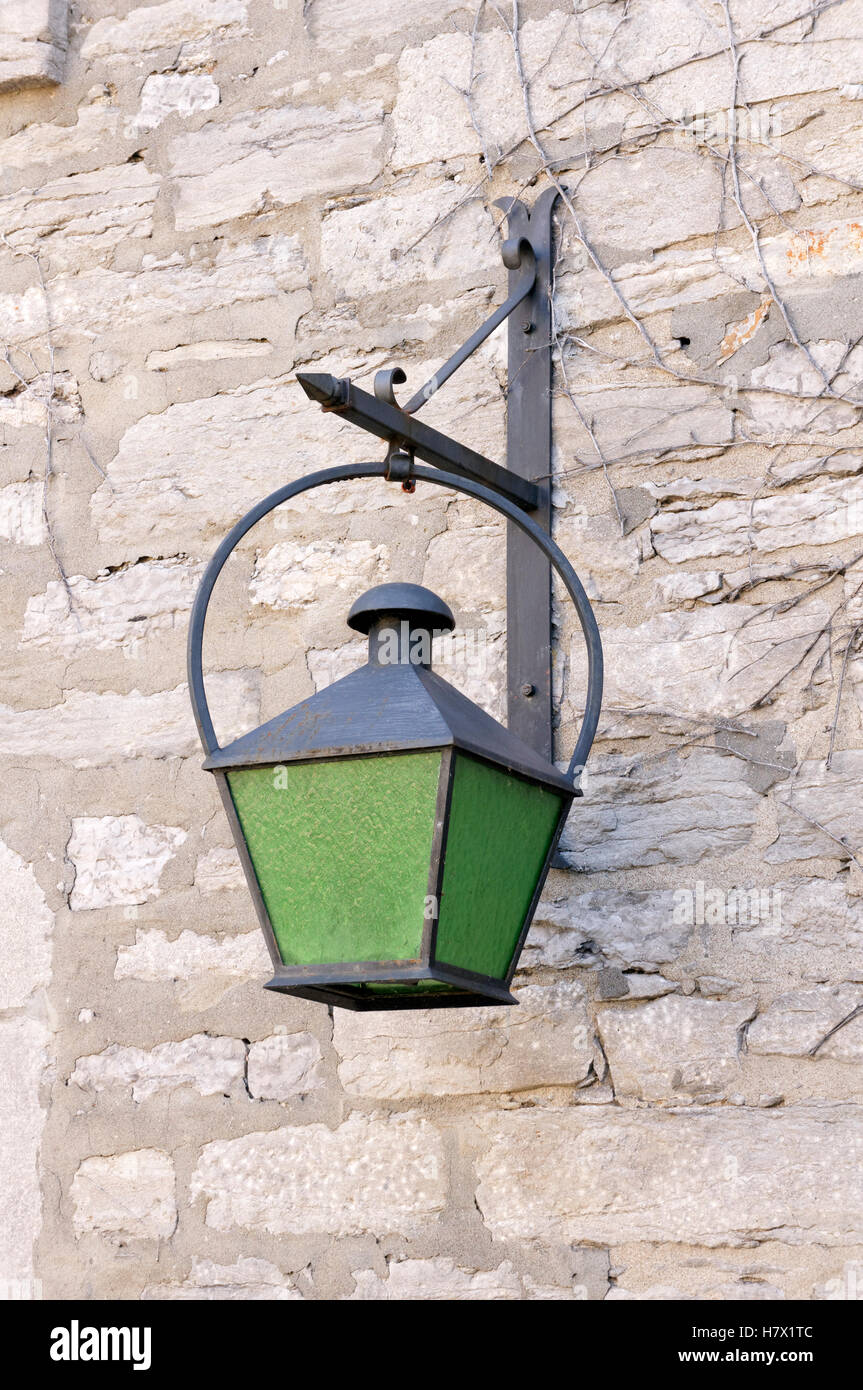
744,331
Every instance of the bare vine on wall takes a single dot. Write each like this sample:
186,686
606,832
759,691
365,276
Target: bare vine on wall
41,387
836,638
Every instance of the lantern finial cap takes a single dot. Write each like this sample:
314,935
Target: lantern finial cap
420,607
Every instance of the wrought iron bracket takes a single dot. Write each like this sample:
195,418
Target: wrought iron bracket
528,452
346,472
525,482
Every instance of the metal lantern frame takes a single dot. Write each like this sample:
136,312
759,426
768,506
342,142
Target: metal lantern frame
520,492
313,981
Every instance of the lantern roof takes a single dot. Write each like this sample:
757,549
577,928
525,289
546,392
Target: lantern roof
385,709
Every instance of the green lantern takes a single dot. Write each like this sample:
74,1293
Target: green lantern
394,836
397,835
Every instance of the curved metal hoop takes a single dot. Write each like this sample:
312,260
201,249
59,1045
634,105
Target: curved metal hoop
345,473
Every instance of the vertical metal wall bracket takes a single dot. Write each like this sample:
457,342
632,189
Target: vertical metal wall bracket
528,454
526,479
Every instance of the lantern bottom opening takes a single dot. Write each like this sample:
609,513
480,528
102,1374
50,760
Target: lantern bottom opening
434,988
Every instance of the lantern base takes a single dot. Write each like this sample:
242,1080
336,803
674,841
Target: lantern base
435,987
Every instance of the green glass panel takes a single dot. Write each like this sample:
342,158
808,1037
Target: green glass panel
500,831
342,851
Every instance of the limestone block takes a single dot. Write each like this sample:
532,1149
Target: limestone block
175,93
219,870
341,24
703,664
21,519
154,958
721,1176
406,238
211,1065
674,1047
441,1280
126,1196
469,565
27,407
168,485
832,798
788,368
432,118
26,923
284,1065
816,935
92,730
671,590
24,1044
118,859
32,43
671,811
249,1278
631,422
437,1280
659,196
79,219
795,1023
291,576
373,1173
629,929
98,121
98,299
207,350
831,511
151,27
119,609
545,1041
268,159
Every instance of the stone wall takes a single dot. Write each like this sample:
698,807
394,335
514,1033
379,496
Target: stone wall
200,197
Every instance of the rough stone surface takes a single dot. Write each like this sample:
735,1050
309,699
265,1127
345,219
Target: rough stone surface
283,1066
821,805
247,1279
714,1177
82,215
118,859
27,924
673,811
94,729
829,512
386,1174
115,610
442,1280
153,957
32,43
801,1024
377,244
717,661
159,292
174,93
339,24
289,576
127,1196
25,1053
218,870
212,1066
202,199
634,930
274,158
674,1047
153,27
21,519
544,1042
